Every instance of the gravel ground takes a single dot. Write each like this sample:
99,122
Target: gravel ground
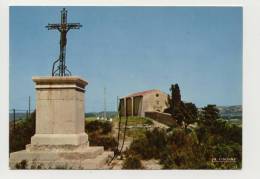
148,164
151,164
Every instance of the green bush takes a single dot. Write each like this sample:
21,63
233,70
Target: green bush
132,162
108,141
102,127
99,133
150,145
24,130
141,147
166,159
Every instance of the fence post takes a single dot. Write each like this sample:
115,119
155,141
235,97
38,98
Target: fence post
27,115
14,120
29,106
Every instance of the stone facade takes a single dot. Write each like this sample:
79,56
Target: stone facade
147,101
60,140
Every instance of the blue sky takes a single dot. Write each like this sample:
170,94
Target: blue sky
131,49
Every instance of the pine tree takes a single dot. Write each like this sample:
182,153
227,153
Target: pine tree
209,115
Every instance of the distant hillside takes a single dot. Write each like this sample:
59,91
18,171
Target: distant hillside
230,112
18,116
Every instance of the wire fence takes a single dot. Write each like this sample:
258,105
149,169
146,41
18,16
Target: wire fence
19,135
16,115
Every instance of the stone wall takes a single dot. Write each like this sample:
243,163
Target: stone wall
164,118
156,101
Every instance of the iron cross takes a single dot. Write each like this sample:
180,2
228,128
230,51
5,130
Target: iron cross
60,69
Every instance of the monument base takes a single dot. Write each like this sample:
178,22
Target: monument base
60,157
60,141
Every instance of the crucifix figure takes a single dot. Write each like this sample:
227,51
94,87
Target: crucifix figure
59,68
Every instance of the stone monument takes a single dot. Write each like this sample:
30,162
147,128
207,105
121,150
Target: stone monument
60,141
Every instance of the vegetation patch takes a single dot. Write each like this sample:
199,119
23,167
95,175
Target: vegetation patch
135,121
21,165
132,162
100,134
21,135
213,144
100,127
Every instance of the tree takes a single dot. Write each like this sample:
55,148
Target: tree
176,96
209,115
183,113
179,116
169,110
190,113
191,110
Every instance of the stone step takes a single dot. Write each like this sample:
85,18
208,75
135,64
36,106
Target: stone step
30,147
85,153
91,158
101,162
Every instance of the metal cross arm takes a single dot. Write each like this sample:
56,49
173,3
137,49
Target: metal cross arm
66,26
74,25
52,26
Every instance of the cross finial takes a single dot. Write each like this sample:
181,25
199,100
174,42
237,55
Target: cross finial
60,69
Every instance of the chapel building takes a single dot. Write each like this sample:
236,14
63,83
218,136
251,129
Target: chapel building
137,104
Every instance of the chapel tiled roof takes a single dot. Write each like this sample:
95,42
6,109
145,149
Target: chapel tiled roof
142,93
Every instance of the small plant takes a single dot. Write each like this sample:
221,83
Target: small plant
102,127
132,162
109,142
21,165
36,166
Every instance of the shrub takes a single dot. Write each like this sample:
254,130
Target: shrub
150,145
141,147
148,121
21,165
102,127
132,162
99,134
166,159
222,151
157,138
177,137
109,142
22,134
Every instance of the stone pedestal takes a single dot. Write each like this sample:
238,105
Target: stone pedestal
60,140
60,111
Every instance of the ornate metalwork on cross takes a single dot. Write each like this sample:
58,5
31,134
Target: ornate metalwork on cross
59,67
